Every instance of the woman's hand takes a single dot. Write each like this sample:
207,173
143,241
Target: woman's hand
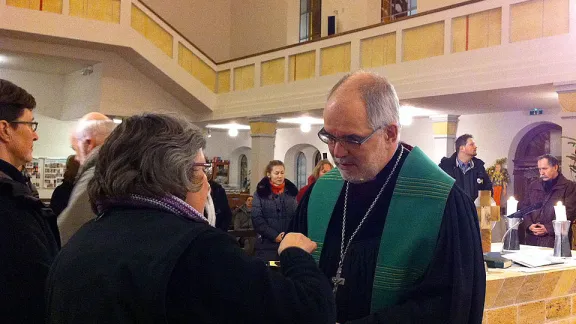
279,237
297,240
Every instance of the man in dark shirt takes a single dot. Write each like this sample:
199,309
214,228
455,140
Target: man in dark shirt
29,239
465,168
400,242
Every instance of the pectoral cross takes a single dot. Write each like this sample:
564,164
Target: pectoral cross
337,281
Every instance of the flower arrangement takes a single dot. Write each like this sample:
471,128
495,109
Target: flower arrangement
572,156
499,177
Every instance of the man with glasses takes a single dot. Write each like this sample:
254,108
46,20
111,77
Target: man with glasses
398,240
92,131
29,239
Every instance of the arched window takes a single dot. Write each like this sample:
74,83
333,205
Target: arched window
317,157
243,172
301,170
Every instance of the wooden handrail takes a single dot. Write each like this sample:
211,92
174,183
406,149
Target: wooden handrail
312,41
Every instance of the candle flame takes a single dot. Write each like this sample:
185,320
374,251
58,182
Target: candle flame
512,198
559,203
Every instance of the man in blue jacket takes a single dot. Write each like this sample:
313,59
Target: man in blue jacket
468,170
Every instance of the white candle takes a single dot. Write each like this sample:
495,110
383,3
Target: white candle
511,205
560,211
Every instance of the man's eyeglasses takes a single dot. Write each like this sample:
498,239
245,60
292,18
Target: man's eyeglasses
330,139
33,125
206,167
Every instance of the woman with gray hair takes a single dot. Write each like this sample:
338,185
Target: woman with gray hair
151,257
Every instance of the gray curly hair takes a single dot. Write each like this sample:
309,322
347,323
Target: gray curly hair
150,155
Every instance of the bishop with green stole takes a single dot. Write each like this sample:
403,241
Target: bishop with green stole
415,254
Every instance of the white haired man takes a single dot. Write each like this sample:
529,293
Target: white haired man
92,131
399,241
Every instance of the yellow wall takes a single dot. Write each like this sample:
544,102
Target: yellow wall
47,5
262,128
244,77
444,128
427,5
104,10
224,81
567,101
272,72
151,30
423,41
538,18
378,51
484,30
335,59
195,66
302,66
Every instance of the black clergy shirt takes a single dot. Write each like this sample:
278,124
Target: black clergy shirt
452,289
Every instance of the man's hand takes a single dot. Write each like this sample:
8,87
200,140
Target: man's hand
279,238
297,240
538,229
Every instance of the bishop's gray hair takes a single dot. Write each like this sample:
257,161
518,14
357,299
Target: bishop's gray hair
379,96
150,155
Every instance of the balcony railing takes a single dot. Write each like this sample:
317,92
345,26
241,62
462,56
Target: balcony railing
464,27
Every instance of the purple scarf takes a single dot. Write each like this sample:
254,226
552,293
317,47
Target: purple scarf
168,203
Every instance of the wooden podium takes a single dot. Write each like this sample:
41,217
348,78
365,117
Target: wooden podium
486,214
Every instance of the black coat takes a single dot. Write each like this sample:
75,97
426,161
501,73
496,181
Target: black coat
60,197
29,242
221,206
474,180
272,214
563,190
143,265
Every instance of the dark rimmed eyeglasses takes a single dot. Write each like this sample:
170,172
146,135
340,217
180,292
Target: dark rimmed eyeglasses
206,167
330,139
33,125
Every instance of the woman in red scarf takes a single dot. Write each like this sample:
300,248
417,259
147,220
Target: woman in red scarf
273,207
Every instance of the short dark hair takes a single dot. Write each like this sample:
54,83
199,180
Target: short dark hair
461,141
13,101
72,167
552,161
150,155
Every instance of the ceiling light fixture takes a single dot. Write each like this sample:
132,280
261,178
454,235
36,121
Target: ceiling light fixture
233,132
407,115
117,121
302,120
87,71
228,126
305,128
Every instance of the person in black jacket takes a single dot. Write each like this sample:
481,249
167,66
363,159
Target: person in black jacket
468,170
150,256
29,239
221,207
273,208
61,194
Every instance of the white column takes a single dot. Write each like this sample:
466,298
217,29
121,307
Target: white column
263,133
444,127
355,55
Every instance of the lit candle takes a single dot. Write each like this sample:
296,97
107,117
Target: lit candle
560,211
511,205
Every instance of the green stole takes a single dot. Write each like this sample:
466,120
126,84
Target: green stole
411,229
